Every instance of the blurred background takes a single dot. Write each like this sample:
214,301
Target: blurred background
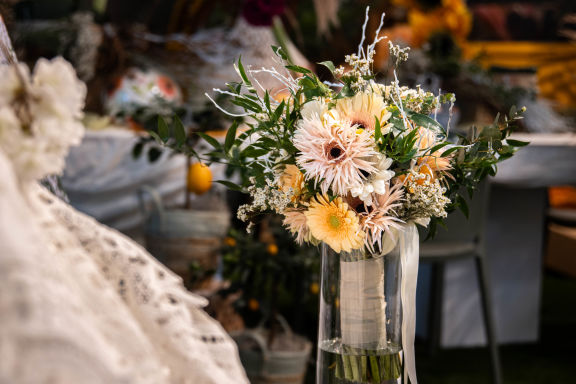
145,59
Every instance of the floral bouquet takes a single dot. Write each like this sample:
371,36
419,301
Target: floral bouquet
353,164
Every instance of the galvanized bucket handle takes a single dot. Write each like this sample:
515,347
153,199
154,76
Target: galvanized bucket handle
257,337
156,201
256,334
282,321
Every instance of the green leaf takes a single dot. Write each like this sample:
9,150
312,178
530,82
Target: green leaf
377,130
296,68
179,131
463,206
254,152
517,143
212,141
449,151
437,147
229,185
163,130
512,112
156,137
278,112
230,136
496,119
329,65
240,69
425,121
279,52
267,101
247,104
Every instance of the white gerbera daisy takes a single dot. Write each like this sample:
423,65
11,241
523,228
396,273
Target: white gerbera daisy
333,153
314,108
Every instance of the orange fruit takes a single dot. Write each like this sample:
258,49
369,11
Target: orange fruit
272,249
199,178
253,304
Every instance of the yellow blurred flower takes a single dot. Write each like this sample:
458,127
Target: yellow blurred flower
452,17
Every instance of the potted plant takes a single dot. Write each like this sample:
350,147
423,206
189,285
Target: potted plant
278,285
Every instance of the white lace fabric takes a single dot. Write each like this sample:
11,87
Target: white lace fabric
81,303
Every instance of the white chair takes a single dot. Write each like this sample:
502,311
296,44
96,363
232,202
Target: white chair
462,238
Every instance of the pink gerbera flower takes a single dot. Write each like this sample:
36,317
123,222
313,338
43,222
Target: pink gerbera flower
379,218
295,221
334,153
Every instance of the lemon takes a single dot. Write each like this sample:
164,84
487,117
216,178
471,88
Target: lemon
199,178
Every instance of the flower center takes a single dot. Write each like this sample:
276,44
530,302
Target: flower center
333,151
334,221
359,124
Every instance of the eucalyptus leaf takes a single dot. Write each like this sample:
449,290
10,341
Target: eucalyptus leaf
163,130
329,65
212,141
179,131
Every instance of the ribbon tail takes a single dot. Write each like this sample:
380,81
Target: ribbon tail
409,257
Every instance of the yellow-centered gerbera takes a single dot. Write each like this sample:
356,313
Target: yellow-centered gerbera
362,109
334,223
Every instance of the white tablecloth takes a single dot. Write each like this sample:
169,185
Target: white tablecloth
102,178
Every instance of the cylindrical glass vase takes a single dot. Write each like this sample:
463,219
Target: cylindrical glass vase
360,324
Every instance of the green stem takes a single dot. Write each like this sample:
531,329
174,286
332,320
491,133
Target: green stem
355,370
364,367
374,369
386,365
339,369
347,367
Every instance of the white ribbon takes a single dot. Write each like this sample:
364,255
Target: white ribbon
409,256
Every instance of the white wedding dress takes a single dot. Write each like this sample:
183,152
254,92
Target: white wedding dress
81,303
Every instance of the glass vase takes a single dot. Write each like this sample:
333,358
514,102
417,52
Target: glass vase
360,322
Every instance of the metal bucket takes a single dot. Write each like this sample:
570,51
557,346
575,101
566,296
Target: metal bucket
180,238
267,366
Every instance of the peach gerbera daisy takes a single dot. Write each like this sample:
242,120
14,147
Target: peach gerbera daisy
295,221
431,162
334,223
379,218
333,154
292,181
362,109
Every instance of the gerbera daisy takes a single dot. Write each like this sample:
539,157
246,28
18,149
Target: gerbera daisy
295,221
334,223
314,108
333,154
431,162
379,219
362,109
291,181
